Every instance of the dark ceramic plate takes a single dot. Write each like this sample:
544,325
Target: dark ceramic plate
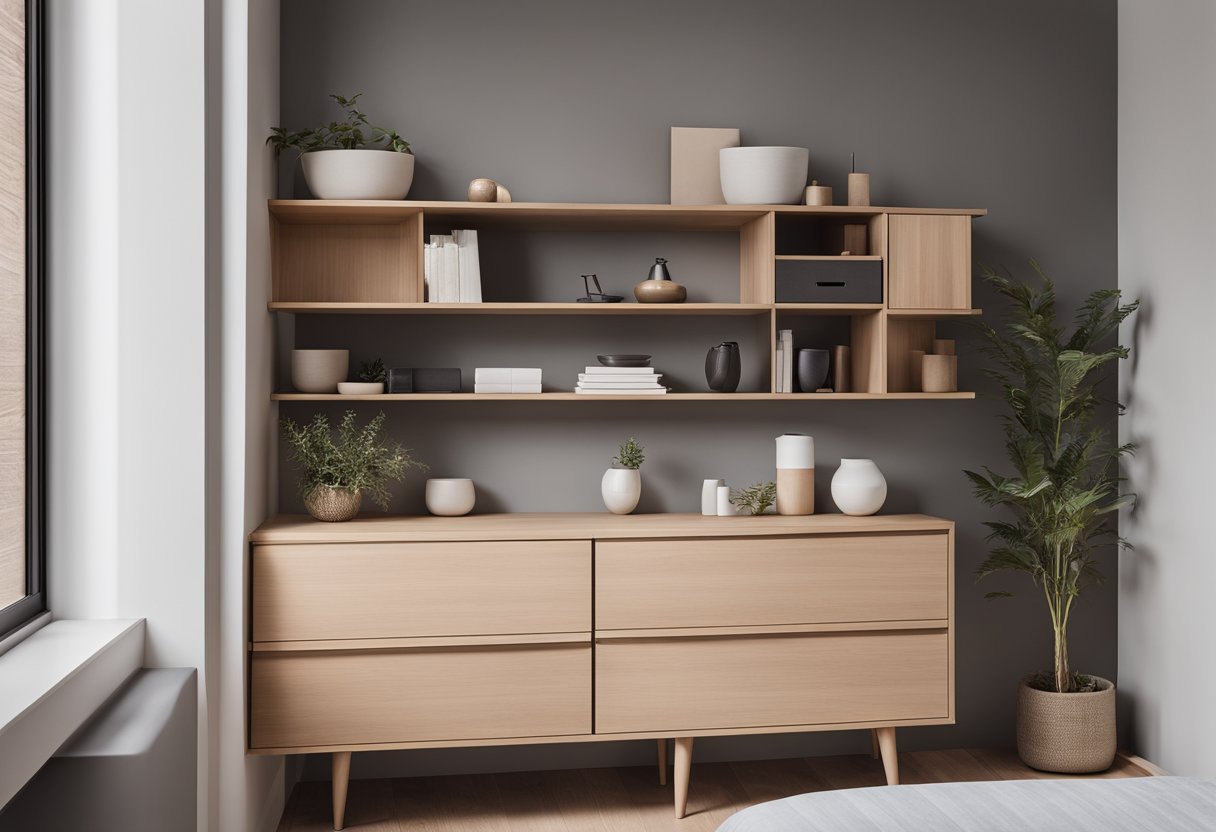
624,360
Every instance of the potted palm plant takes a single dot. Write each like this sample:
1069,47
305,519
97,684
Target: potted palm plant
350,158
1062,495
335,475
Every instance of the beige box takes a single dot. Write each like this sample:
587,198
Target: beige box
695,176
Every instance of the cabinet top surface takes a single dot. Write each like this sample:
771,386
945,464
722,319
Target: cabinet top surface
298,528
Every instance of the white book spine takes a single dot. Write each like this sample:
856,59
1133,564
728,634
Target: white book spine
779,369
787,336
621,371
470,266
451,272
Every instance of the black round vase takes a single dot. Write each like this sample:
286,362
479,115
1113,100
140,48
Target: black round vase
813,369
722,367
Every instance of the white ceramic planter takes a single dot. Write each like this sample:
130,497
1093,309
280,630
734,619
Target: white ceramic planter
318,371
622,488
858,487
360,388
450,497
763,175
358,174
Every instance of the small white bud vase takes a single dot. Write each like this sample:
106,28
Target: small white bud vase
621,488
858,487
709,497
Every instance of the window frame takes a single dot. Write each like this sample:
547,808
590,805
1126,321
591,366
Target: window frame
20,613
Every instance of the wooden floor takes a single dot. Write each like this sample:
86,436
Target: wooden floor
625,799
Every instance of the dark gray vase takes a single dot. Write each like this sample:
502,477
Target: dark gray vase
813,369
722,367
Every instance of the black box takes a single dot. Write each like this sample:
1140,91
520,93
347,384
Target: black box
828,281
424,380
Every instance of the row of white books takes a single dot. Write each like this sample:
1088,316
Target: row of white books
620,381
785,360
452,268
507,380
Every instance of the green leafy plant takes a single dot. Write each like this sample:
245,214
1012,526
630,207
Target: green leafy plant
631,455
351,132
359,460
1065,486
755,499
373,372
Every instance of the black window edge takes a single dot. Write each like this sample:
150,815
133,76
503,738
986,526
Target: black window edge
17,615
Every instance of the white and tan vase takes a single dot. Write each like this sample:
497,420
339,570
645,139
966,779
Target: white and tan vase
333,505
795,474
1067,733
621,489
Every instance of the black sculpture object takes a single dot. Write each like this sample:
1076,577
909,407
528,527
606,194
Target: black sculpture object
722,367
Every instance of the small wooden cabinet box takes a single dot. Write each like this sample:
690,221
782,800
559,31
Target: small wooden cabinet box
929,265
425,632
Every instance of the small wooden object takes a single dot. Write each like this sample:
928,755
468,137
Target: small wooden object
795,491
915,368
943,346
502,194
662,762
939,373
859,189
840,369
483,190
817,194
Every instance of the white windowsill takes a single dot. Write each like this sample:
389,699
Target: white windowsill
52,682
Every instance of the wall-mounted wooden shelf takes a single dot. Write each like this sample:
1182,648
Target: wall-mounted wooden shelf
582,397
524,308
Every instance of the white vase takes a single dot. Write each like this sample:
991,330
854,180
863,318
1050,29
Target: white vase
763,175
858,487
318,371
709,497
358,174
622,488
450,497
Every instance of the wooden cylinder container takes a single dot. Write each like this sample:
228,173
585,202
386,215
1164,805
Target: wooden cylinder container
939,373
795,491
859,189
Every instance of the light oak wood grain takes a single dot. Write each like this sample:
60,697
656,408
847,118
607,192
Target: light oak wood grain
691,684
930,262
867,341
610,309
347,262
750,581
757,242
904,335
418,695
399,590
669,398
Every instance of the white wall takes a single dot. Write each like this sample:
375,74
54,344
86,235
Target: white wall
1167,219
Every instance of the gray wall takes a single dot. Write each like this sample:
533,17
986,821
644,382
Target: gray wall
1167,645
1008,106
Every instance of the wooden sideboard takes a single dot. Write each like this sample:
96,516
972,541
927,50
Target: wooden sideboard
424,632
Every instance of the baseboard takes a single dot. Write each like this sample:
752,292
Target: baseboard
1143,765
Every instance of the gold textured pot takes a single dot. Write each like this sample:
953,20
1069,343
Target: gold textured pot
1067,733
333,505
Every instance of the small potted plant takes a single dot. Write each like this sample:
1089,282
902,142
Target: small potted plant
1064,489
622,483
372,377
755,499
335,475
350,158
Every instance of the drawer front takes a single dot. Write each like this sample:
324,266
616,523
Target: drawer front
704,683
399,590
828,281
756,581
431,694
929,258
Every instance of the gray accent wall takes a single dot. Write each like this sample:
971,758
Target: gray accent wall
954,103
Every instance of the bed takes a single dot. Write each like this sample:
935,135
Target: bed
1142,804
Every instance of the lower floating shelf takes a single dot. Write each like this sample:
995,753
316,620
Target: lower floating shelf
577,397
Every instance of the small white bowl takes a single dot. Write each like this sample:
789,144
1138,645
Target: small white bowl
450,497
360,388
763,175
318,371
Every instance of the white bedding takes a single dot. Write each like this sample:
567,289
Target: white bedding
1142,804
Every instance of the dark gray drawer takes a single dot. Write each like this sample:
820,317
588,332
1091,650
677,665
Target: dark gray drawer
829,281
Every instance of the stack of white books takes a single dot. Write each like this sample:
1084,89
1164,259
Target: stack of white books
506,380
451,267
785,361
620,381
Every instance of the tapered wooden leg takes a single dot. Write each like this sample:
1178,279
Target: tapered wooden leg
890,764
683,770
341,778
874,743
663,762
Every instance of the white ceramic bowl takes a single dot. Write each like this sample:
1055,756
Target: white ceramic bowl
450,497
318,371
360,388
358,174
763,175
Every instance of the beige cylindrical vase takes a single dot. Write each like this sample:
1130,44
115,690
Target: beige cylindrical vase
817,194
795,474
859,189
939,373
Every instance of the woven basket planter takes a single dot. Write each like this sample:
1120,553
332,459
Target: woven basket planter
1067,733
333,505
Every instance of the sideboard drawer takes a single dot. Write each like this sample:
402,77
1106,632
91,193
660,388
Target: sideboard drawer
754,581
399,590
706,683
419,695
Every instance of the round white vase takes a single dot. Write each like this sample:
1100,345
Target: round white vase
763,175
358,174
858,487
318,371
622,488
450,497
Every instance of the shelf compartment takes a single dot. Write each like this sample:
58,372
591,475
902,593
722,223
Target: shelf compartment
368,262
571,397
862,332
652,309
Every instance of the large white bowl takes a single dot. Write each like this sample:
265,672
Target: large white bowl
763,175
358,174
318,371
450,497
